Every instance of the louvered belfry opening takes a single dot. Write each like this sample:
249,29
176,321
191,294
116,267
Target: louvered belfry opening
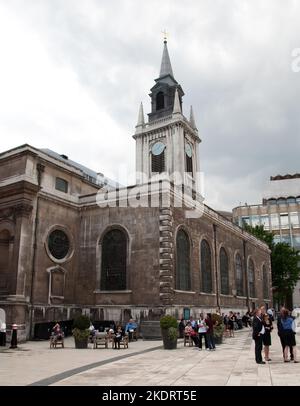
158,163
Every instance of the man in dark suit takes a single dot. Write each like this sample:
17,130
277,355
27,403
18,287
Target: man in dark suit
257,335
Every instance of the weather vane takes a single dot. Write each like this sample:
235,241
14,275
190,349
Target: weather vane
164,32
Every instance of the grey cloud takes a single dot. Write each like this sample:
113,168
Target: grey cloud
233,60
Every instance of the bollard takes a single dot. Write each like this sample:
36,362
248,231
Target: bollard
14,337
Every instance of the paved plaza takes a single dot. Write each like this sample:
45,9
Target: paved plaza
147,363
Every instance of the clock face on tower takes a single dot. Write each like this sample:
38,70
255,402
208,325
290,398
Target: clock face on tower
188,150
158,148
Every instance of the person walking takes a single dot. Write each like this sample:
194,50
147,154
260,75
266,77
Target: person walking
289,332
268,325
210,332
281,333
231,321
258,331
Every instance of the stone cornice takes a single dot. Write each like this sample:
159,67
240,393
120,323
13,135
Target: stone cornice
167,123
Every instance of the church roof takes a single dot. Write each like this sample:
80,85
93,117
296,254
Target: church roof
89,174
165,67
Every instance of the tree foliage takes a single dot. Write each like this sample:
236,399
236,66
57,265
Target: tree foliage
285,270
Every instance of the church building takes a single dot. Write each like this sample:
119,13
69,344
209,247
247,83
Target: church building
72,241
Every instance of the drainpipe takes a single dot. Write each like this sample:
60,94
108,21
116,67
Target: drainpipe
40,169
246,274
216,269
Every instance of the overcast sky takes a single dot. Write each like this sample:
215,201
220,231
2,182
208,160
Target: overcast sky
73,72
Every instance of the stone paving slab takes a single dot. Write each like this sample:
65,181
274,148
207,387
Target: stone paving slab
34,360
232,364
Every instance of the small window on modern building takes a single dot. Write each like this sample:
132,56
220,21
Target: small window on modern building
291,200
294,219
264,221
61,185
274,221
255,221
284,220
245,220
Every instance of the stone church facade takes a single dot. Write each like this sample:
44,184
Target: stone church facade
72,241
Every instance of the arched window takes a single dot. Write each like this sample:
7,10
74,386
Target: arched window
4,261
183,276
206,271
160,101
239,275
224,271
251,278
114,259
265,282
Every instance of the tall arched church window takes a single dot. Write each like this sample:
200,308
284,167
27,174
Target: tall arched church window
239,276
114,260
206,271
183,276
251,278
224,272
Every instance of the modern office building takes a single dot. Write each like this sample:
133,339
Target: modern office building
278,213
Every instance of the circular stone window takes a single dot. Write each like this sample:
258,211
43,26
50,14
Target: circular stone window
58,244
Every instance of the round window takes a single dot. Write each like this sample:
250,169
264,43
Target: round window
58,244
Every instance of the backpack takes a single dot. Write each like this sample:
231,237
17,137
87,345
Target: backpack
287,323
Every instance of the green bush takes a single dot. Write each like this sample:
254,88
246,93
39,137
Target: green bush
218,325
172,333
81,322
80,335
168,321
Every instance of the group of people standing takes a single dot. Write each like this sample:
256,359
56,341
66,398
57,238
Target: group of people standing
262,325
199,330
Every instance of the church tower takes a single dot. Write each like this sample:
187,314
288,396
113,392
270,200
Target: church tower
168,142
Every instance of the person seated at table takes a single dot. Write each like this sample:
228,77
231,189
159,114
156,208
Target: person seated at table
130,328
189,331
119,333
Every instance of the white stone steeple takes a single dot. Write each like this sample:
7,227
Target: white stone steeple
141,119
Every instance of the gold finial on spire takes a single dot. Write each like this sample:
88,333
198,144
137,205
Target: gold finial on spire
164,32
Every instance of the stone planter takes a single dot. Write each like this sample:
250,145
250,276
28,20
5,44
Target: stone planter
81,343
168,343
218,339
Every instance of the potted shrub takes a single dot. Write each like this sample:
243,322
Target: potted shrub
81,331
169,332
218,328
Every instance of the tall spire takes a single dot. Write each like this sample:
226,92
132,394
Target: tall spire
192,119
141,119
165,67
177,106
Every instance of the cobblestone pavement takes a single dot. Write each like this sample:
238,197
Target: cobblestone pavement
146,363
